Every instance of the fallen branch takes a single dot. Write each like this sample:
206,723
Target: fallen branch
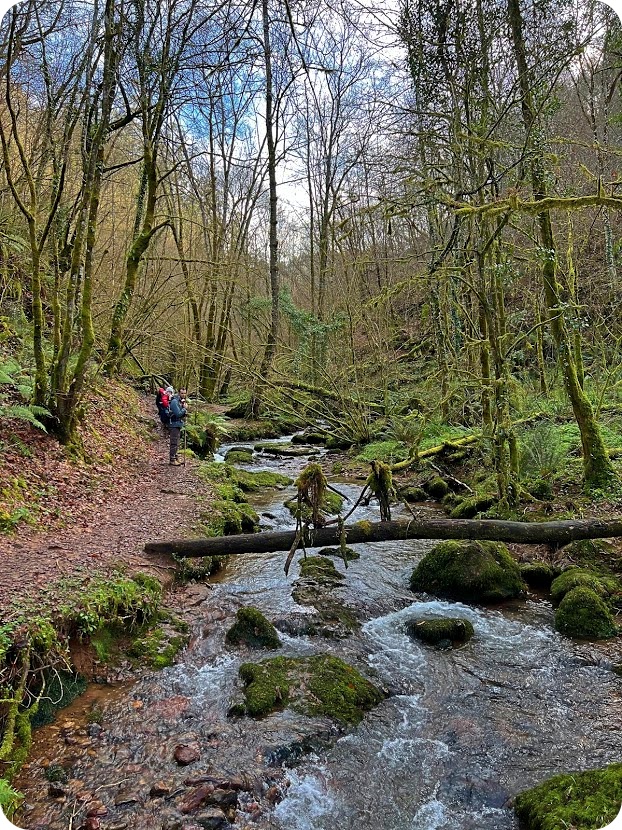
528,533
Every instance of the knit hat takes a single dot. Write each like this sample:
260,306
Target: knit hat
169,390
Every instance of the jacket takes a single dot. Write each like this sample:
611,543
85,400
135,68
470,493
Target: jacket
177,412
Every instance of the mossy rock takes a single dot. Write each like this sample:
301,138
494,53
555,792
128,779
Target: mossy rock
537,574
469,571
411,493
333,442
317,685
580,578
332,504
539,488
582,614
578,800
437,487
455,629
598,554
239,455
252,430
310,437
338,553
227,518
197,568
249,481
252,629
159,646
469,508
319,567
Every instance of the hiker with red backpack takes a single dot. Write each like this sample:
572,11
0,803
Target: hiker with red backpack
163,399
177,412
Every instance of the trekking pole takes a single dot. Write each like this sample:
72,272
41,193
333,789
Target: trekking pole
185,445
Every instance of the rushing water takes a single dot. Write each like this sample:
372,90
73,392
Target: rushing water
461,732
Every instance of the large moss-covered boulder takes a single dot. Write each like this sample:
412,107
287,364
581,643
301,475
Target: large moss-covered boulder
239,455
437,487
582,578
469,508
584,615
578,800
317,685
252,629
469,571
350,553
452,629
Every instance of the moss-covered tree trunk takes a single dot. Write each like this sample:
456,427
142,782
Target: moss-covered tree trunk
597,468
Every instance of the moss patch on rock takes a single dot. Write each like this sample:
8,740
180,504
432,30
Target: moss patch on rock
197,568
317,685
454,629
469,508
579,800
537,574
584,615
228,479
581,578
596,554
350,553
412,493
437,487
319,567
239,455
252,629
470,571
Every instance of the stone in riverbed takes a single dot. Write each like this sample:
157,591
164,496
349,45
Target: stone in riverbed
160,789
253,629
440,632
211,819
186,754
584,615
196,798
469,571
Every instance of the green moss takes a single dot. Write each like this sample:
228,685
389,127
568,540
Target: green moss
318,685
578,800
469,508
578,577
253,629
364,526
334,442
584,615
597,554
470,571
319,567
227,518
251,481
224,475
537,574
436,487
338,553
434,631
389,451
309,437
411,493
288,450
158,646
197,568
239,455
251,430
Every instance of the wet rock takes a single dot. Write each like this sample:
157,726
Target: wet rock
469,571
186,754
274,795
57,790
197,798
232,782
252,629
211,819
583,614
92,823
94,730
440,631
97,809
160,789
537,574
225,799
126,797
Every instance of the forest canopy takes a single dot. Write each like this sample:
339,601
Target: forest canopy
383,219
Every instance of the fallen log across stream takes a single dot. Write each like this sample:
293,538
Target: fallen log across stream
527,533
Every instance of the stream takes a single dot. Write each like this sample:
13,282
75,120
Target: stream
461,732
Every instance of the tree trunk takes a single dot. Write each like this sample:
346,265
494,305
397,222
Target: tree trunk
528,533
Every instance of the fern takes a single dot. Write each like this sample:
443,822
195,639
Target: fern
14,376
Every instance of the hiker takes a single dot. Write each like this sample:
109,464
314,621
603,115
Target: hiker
163,399
177,413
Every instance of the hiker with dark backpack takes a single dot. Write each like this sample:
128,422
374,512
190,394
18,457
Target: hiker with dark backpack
163,398
177,413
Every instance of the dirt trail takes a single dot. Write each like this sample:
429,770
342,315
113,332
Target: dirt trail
151,500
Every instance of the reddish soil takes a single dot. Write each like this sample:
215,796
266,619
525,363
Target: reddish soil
92,518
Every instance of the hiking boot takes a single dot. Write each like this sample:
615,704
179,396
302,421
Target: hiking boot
176,463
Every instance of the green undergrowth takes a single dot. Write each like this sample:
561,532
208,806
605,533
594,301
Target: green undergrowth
317,685
578,800
37,644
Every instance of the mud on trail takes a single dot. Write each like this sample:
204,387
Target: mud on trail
90,518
